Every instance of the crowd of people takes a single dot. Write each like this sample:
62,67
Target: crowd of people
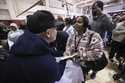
61,50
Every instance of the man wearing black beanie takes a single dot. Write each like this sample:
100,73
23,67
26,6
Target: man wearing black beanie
40,21
31,60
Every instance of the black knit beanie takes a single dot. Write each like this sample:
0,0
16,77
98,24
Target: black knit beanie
40,21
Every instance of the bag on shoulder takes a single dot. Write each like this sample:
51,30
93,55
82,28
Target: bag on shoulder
96,65
101,63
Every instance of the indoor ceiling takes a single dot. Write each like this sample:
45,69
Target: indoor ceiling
33,3
83,3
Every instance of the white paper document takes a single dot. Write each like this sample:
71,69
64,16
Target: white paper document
58,59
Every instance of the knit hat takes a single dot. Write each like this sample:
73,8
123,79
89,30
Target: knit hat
14,25
40,21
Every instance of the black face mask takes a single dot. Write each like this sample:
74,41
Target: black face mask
95,17
94,14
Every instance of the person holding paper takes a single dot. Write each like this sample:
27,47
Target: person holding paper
86,43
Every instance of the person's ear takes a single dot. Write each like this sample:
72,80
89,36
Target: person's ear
48,34
45,34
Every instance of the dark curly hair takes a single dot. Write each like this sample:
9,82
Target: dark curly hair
40,21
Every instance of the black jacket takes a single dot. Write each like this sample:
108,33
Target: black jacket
30,61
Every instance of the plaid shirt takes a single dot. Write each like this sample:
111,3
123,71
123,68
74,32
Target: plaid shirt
87,52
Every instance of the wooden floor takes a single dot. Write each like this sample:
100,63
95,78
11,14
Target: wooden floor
105,75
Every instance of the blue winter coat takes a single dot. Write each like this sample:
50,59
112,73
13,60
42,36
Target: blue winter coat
30,61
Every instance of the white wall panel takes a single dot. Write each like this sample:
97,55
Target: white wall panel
22,5
4,14
55,4
114,8
3,2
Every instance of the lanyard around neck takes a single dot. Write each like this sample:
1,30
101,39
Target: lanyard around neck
77,43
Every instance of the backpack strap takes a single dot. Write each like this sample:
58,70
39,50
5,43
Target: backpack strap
90,39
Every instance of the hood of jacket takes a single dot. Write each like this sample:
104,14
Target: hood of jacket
30,44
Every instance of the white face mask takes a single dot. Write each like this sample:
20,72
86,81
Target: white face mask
51,33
